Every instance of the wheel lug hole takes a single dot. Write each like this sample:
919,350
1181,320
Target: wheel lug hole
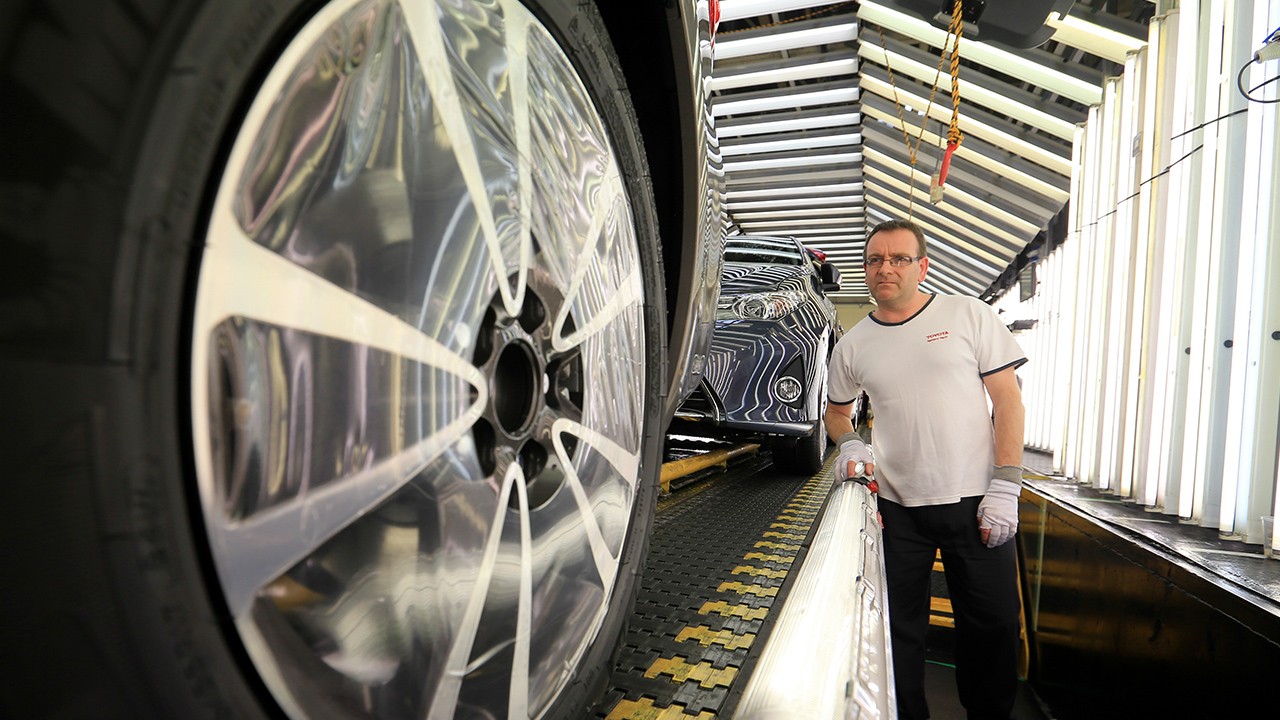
486,441
533,459
533,314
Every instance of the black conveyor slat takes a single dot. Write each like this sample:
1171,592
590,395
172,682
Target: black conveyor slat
702,536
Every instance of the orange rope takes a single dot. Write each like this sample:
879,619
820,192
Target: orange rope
954,137
906,138
957,28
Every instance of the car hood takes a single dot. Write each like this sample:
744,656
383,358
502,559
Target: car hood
742,278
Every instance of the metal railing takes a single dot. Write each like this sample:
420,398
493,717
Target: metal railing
829,654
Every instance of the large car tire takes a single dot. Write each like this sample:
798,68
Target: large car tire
801,456
299,420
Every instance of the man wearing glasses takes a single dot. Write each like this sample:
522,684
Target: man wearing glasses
948,466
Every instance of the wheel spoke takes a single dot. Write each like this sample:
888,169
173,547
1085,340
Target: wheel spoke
445,699
518,702
516,38
422,20
257,550
271,289
628,466
628,294
589,290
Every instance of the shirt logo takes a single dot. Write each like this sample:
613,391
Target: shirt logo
936,336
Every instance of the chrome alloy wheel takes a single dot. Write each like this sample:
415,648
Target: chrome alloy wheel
418,352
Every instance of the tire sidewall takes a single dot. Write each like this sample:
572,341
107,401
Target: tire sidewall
207,62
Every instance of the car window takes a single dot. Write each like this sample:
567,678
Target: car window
766,251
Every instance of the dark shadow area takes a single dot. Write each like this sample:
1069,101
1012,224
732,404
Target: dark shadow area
1140,603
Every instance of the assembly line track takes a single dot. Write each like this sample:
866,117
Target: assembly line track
718,568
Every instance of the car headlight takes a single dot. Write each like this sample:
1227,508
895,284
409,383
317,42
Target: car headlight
759,306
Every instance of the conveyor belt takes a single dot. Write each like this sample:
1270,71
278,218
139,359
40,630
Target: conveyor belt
718,563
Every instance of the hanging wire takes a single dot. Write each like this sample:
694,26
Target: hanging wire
1248,94
954,136
1274,37
902,121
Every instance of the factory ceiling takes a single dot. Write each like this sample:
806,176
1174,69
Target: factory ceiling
835,115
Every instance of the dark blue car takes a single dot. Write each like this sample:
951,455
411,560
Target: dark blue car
766,373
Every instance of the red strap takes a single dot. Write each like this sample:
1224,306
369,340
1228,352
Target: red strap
946,163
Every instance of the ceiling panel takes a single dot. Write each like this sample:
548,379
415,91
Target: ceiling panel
833,116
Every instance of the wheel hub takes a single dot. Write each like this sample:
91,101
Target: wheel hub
531,387
517,379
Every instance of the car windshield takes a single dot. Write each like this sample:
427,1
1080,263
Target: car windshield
766,251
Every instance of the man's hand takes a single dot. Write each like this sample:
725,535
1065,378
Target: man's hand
998,511
855,458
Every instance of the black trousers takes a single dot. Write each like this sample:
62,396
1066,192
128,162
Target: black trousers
983,585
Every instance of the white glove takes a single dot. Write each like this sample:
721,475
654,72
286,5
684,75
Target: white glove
852,449
998,511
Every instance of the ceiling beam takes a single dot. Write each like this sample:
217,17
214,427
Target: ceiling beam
1036,180
731,10
775,72
971,92
1007,62
782,38
1058,161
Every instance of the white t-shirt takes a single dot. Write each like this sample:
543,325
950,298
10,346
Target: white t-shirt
932,436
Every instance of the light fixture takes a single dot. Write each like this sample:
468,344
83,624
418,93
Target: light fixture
1083,204
973,224
792,162
954,195
1133,112
794,202
775,192
1002,61
1183,61
784,74
739,9
791,229
1145,229
722,107
779,41
1202,258
965,152
834,246
1112,287
1251,452
841,213
1160,94
798,143
1092,38
788,124
973,92
971,126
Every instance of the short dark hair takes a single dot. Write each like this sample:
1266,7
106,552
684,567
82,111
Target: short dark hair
902,225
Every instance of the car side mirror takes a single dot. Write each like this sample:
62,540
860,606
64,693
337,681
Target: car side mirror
830,275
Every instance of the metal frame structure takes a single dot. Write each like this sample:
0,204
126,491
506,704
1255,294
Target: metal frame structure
814,144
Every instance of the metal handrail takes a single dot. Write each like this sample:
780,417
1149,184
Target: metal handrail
829,654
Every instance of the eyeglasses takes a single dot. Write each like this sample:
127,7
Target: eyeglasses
896,260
